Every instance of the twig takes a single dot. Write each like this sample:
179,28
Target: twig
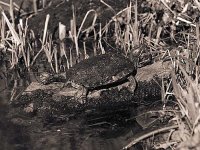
93,23
113,19
149,134
186,21
108,6
168,7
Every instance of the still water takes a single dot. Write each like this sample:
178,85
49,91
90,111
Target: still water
79,133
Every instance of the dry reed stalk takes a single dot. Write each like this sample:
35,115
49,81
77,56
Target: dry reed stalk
16,7
91,27
108,6
25,48
11,10
44,2
22,49
12,30
86,56
186,21
158,35
84,20
49,51
150,32
62,36
127,33
70,57
3,30
117,33
45,28
74,33
35,6
36,56
114,18
129,38
136,23
137,39
99,42
55,54
152,133
197,33
94,48
165,4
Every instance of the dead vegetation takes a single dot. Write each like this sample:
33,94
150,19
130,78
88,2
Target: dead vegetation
163,30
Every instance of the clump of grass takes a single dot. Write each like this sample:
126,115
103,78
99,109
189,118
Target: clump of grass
185,80
17,41
74,35
127,34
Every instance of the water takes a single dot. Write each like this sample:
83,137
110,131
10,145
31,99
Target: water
82,132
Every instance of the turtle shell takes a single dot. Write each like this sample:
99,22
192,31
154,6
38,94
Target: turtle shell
101,70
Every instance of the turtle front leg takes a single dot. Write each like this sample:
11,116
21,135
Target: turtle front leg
132,84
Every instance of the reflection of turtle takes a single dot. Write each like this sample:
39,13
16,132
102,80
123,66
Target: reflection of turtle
103,71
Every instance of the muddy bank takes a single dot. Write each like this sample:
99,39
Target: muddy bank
57,97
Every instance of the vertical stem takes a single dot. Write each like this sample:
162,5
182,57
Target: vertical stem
35,6
12,13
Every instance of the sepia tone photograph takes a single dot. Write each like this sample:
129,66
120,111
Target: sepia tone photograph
99,75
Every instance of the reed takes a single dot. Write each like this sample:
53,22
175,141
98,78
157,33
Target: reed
74,34
128,36
12,12
62,36
35,9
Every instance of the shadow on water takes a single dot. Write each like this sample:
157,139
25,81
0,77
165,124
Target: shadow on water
12,136
98,130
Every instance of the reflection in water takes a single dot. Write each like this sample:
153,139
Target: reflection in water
4,93
12,137
76,134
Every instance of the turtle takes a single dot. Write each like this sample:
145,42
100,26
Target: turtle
103,71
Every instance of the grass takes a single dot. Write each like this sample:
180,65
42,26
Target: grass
129,36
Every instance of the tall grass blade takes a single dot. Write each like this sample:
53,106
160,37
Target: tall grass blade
12,30
45,28
12,13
